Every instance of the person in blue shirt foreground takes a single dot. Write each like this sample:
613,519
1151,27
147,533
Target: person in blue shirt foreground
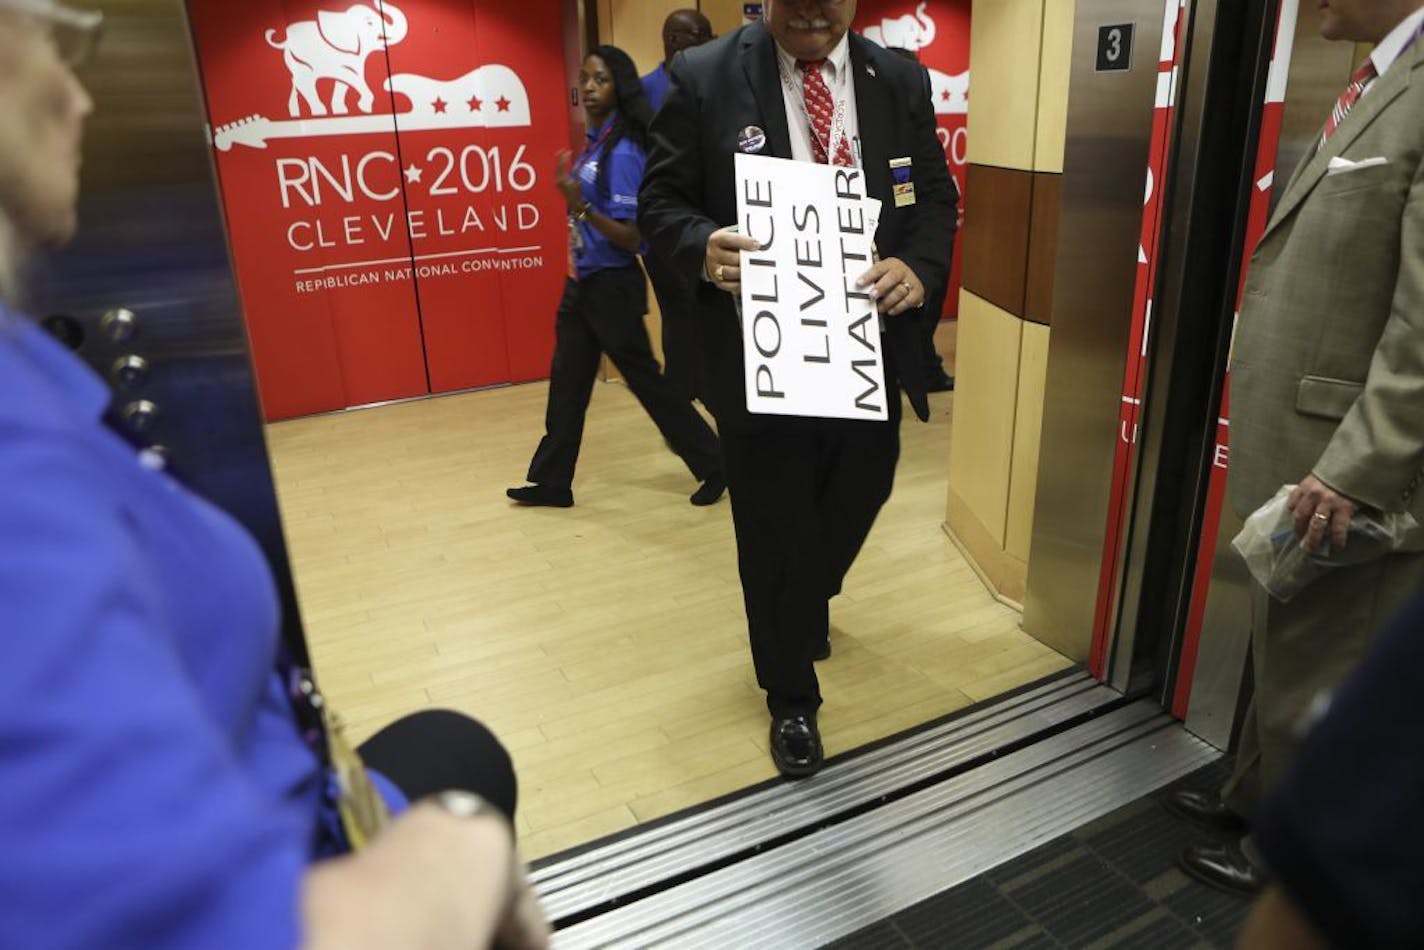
156,788
606,294
1343,832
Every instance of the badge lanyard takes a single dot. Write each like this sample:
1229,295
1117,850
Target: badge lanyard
841,117
360,808
576,241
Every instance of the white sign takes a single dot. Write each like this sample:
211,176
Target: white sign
810,336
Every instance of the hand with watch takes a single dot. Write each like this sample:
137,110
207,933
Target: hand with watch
619,232
522,924
444,873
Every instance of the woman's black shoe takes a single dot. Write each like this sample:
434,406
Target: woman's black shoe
542,495
709,492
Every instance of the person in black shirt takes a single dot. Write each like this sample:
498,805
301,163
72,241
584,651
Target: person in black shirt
1343,833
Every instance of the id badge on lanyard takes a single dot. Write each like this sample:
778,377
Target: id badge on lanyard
576,238
362,810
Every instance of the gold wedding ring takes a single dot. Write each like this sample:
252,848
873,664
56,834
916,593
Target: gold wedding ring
1320,516
718,272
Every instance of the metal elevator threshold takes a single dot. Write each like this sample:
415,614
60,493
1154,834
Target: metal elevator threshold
800,864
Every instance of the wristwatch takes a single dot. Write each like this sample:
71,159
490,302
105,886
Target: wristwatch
462,804
466,805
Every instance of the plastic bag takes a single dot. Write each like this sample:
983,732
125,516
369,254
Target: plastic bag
1279,561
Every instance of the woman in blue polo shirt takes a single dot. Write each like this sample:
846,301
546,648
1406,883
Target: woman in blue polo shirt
606,294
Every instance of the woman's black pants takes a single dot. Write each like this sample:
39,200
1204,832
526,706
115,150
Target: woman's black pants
603,313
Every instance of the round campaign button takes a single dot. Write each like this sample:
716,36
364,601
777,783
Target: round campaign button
752,139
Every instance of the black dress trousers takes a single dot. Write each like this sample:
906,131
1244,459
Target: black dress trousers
805,493
603,313
674,300
930,314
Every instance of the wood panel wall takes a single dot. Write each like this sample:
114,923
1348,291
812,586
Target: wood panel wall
1019,66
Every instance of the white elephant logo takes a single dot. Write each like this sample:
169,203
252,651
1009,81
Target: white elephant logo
334,47
913,33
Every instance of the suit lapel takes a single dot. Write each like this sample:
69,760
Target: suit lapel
874,107
764,76
1313,167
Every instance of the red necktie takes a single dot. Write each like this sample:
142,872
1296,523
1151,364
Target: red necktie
821,110
1348,98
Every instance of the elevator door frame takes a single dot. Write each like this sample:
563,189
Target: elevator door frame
1146,577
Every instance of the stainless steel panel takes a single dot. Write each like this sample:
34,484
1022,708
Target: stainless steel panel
1319,70
152,241
613,871
839,879
1104,174
1180,315
1198,31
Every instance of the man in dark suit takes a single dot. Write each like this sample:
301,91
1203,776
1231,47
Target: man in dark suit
805,492
936,379
682,30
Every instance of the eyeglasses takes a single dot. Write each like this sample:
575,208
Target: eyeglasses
74,33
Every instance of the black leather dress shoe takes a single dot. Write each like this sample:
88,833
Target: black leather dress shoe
1224,867
943,383
796,745
823,651
543,496
1205,809
709,492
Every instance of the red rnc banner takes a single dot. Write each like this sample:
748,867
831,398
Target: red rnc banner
385,174
938,32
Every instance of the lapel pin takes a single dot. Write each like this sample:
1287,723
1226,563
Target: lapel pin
870,69
752,139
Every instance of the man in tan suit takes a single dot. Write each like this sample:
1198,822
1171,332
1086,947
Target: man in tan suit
1327,392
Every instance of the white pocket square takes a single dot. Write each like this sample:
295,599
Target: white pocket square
1341,166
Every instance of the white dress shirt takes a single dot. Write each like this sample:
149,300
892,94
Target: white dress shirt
840,80
1392,46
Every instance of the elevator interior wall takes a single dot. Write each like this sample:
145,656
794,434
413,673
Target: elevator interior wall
1109,136
149,277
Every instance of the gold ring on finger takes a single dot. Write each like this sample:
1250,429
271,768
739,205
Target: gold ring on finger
720,272
1321,516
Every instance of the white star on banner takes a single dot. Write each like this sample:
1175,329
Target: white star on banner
412,174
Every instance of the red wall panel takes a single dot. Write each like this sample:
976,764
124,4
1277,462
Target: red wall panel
938,32
394,227
488,225
298,207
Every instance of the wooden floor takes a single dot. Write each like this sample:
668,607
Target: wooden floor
606,643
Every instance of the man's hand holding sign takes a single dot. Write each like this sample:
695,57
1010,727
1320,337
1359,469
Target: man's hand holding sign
896,287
